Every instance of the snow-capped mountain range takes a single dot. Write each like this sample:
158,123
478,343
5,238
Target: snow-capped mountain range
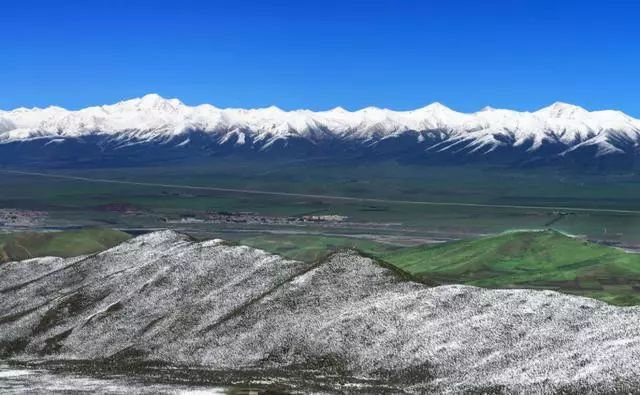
431,133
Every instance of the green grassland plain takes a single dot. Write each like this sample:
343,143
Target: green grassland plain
551,195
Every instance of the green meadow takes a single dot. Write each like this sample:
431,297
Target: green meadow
527,259
25,245
514,198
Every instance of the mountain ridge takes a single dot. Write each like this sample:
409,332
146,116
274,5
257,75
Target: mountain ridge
163,298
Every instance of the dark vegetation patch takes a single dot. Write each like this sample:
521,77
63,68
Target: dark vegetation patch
332,363
53,344
13,347
290,380
9,318
68,307
151,324
422,373
128,354
114,308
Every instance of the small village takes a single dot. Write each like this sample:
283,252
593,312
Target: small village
224,217
10,217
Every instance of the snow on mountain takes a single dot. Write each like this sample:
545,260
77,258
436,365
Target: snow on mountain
210,306
153,118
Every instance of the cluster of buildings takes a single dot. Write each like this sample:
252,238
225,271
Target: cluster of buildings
14,217
254,218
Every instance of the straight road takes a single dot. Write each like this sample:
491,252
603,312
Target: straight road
313,196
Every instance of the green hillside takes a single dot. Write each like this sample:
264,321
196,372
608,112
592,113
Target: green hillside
528,259
310,248
18,246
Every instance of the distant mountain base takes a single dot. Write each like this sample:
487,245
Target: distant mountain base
118,151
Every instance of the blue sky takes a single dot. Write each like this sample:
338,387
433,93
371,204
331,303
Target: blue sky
321,54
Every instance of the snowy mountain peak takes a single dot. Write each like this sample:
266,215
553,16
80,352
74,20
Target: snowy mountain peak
148,103
152,97
371,109
273,110
563,110
339,109
436,107
154,101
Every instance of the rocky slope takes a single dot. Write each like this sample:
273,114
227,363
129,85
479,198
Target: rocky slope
151,128
162,297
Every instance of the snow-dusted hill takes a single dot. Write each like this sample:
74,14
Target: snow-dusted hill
164,298
434,132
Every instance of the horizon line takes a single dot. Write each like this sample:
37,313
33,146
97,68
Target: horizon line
155,96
